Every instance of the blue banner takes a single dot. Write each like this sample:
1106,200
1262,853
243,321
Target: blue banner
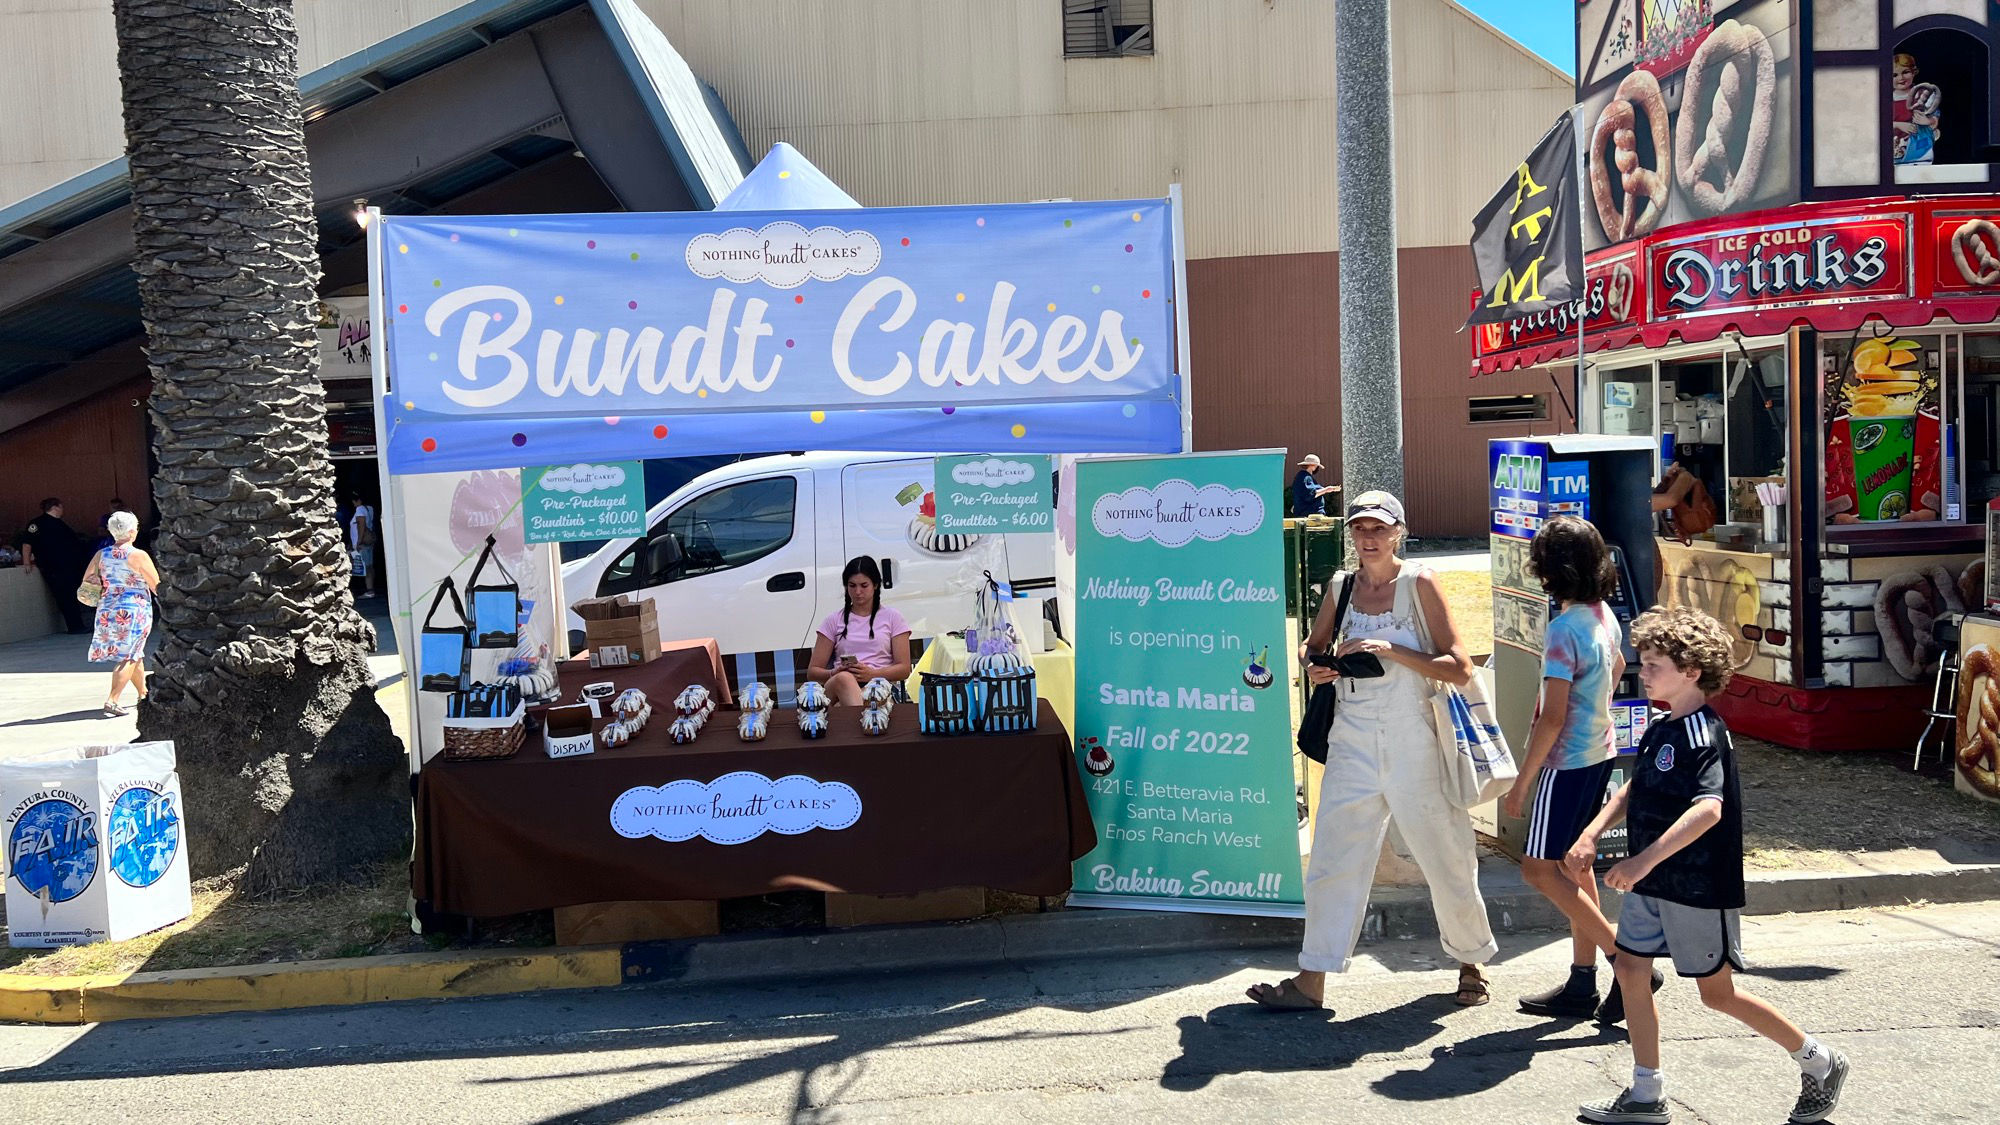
545,339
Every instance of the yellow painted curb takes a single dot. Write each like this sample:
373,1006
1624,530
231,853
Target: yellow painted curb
303,984
26,999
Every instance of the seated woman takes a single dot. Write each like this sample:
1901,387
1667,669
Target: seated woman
862,640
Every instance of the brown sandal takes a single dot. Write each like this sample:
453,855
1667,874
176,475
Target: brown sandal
1472,990
1283,996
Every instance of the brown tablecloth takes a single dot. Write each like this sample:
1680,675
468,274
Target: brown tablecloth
527,833
681,663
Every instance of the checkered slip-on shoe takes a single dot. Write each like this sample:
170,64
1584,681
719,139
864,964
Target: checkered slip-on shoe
1626,1108
1818,1097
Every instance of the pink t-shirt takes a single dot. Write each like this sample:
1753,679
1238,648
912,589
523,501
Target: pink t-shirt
850,635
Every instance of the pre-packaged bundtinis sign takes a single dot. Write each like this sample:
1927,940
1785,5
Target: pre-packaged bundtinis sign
95,843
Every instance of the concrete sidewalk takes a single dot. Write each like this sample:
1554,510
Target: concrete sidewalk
51,696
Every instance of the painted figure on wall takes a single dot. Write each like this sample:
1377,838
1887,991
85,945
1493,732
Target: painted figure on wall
1914,113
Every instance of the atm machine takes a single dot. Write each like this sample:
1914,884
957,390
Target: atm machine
1608,481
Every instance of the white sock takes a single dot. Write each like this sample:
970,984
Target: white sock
1648,1085
1814,1059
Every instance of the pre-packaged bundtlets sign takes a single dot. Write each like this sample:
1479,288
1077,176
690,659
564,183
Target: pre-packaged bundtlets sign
1183,717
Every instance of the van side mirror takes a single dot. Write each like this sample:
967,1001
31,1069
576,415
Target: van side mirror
663,556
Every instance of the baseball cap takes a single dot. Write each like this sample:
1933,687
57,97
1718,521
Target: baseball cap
1376,504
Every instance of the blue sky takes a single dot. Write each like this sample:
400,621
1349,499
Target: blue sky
1546,27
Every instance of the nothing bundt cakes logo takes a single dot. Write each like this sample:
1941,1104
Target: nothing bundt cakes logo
783,255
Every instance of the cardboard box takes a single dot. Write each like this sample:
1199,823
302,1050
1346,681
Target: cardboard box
619,631
607,923
951,905
567,731
95,843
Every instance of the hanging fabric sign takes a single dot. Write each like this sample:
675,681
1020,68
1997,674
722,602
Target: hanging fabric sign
553,338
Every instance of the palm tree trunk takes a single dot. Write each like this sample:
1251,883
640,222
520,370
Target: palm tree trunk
289,767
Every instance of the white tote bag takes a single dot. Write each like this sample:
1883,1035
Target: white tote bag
1478,766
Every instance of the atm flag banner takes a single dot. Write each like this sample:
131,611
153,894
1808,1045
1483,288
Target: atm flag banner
1526,241
556,339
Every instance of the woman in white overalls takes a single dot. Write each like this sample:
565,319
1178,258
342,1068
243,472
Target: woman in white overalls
1382,761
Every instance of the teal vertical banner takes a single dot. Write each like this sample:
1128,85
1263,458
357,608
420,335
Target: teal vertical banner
572,503
995,495
1183,731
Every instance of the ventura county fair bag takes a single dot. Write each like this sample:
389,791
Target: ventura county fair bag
1478,767
441,651
496,607
1317,723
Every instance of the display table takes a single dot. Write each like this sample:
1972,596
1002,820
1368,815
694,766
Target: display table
1055,673
527,833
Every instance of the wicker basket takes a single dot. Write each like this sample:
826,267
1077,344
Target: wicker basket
482,739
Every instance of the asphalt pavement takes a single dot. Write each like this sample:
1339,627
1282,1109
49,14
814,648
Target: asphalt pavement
1910,993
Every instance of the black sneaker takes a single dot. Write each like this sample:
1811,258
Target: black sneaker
1575,998
1624,1108
1612,1011
1818,1097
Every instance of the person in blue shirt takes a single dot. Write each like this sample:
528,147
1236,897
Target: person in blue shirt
1308,495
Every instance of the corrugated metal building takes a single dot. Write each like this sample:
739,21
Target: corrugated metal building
952,101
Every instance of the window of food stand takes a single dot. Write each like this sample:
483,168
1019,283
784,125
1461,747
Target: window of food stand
1885,395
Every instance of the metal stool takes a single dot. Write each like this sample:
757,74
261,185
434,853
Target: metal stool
1944,692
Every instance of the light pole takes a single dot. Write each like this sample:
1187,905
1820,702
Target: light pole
1371,381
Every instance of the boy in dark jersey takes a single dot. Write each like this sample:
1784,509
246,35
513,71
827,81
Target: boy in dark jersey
1684,881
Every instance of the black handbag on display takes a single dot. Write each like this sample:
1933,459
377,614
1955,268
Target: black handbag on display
1317,723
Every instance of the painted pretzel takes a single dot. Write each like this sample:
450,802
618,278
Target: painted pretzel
1979,720
1615,127
1618,292
1733,56
1906,605
1972,251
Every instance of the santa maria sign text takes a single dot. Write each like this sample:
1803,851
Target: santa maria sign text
560,338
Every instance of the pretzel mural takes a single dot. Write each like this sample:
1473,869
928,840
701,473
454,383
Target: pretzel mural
1979,720
1618,292
1617,127
1972,250
1734,65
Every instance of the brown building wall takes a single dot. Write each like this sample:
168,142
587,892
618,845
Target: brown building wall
1266,372
86,454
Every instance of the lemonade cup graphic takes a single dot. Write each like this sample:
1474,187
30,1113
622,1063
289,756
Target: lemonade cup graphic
1882,426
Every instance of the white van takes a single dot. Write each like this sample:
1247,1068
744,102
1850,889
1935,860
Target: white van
751,553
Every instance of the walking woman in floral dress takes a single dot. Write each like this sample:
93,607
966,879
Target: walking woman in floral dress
125,614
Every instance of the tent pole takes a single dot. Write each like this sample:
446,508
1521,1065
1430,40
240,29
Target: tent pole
1183,360
388,510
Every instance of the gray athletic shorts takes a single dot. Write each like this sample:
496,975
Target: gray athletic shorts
1700,940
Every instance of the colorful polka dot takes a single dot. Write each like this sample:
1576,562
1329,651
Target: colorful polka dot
659,431
454,238
434,357
1147,293
785,175
496,316
611,420
407,405
1067,224
818,416
590,245
702,393
520,439
961,298
950,409
430,445
979,222
1052,306
559,299
1135,341
1130,411
631,304
402,308
437,283
402,248
1128,248
1135,216
791,343
1019,430
799,300
513,232
906,242
635,255
1097,289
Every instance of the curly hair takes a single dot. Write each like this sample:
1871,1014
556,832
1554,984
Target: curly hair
1569,558
1693,640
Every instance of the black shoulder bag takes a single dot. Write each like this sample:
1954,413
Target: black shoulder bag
1317,722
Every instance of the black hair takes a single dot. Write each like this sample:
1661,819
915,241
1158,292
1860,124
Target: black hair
1572,563
864,566
51,502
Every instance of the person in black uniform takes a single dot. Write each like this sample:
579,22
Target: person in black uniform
53,548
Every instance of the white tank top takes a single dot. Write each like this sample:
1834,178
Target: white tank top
1400,689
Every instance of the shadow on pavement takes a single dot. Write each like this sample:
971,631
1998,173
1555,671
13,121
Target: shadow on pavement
1248,1039
64,717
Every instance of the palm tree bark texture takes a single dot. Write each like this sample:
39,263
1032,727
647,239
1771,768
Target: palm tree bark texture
290,771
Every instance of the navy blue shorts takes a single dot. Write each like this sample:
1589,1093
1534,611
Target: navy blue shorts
1565,803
